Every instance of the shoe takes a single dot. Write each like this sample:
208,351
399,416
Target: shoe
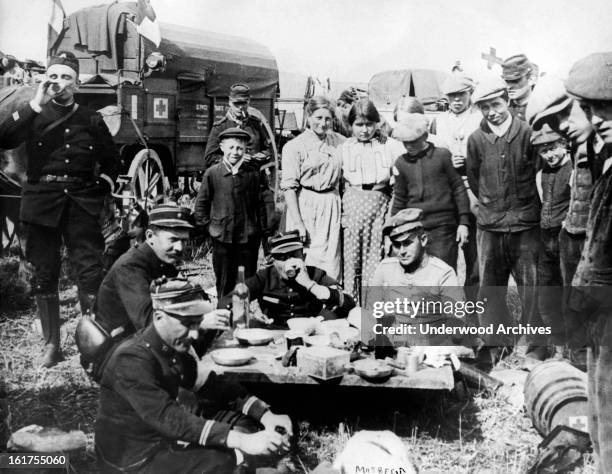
48,312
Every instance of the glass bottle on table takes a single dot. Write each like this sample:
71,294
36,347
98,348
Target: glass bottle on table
240,302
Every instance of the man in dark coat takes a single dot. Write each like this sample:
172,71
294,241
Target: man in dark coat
72,164
258,146
140,419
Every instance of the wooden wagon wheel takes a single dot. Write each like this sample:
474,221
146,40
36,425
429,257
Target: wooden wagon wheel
8,233
148,180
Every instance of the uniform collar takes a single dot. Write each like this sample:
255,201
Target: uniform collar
153,341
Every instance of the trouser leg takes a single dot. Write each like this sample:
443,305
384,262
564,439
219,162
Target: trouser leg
570,250
470,254
550,297
442,243
494,272
85,244
222,260
247,255
523,249
191,459
43,252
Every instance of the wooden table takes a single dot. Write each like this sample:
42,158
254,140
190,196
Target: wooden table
266,368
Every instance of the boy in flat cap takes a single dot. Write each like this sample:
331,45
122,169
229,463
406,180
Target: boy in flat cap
501,170
72,164
230,207
289,288
453,129
551,106
140,419
258,145
554,190
426,178
518,73
590,80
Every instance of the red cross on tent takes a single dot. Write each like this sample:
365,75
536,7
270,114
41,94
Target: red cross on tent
491,57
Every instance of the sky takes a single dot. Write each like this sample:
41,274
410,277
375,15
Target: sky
351,40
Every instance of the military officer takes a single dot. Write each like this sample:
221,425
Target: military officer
518,73
140,421
288,288
124,303
258,147
72,164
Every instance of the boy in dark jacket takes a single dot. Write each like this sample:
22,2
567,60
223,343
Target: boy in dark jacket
554,190
425,178
230,207
501,172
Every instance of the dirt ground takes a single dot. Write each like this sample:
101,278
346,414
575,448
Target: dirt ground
450,432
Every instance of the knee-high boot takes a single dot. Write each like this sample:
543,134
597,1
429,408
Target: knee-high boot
48,312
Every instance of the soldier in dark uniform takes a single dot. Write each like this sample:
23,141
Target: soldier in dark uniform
258,147
518,72
124,302
140,420
72,164
288,288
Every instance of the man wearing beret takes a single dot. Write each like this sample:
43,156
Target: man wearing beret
590,81
551,106
258,146
72,164
454,128
518,72
140,421
289,288
501,170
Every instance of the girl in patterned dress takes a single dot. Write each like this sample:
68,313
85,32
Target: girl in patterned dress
367,162
311,167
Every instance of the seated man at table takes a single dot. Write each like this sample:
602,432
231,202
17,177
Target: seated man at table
288,288
140,421
410,273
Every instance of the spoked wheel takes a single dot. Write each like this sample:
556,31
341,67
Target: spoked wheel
148,183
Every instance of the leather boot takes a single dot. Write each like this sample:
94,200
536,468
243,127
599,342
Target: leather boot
48,312
86,300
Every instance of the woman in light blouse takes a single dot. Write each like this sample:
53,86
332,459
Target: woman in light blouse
367,162
311,169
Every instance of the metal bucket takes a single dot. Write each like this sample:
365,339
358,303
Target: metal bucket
556,394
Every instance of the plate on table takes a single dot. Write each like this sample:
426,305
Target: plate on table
372,369
304,325
253,336
320,340
231,357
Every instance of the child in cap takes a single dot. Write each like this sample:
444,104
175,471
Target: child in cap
554,190
230,208
425,178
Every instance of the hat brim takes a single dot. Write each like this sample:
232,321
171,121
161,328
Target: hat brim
558,107
457,91
172,223
492,95
188,309
397,233
287,248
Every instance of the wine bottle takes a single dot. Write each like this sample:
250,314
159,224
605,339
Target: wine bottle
240,302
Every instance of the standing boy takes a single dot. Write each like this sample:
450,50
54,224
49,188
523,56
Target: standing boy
554,190
230,208
425,178
501,172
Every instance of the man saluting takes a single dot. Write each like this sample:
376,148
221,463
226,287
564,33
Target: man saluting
72,164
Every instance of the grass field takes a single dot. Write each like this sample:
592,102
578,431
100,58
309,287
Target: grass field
447,432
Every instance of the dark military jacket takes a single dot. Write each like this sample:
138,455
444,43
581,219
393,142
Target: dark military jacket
80,147
255,128
284,299
124,298
138,412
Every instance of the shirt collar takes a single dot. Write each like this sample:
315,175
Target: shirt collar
233,168
500,130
